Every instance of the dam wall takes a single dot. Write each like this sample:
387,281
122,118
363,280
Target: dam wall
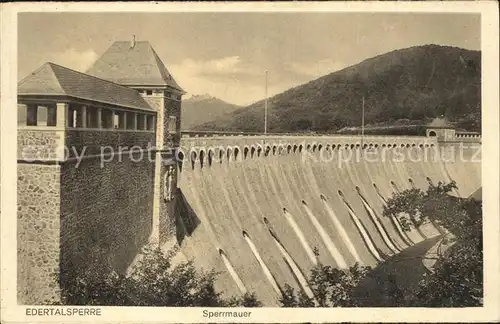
258,209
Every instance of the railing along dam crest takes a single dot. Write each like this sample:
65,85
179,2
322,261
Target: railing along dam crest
205,149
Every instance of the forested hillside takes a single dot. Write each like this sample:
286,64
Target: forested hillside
417,83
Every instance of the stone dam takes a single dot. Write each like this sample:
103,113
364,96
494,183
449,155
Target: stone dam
255,208
103,169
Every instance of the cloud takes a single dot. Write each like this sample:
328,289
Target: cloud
226,66
236,81
228,78
76,60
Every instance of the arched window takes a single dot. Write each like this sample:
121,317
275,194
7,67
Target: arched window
432,133
210,157
236,152
202,158
180,159
193,159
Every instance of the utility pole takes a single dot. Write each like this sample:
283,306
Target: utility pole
362,122
265,108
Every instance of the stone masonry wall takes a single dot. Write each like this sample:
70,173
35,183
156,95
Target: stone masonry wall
38,144
167,212
167,208
106,213
38,227
157,102
172,108
104,141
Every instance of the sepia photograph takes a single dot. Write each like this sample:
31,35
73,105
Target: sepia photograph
231,161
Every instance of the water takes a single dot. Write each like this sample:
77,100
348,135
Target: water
342,231
232,272
301,237
263,265
339,259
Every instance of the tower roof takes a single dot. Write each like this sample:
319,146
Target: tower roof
55,80
133,64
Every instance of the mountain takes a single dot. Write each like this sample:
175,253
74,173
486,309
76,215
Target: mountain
199,109
416,84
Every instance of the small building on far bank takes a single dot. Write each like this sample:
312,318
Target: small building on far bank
445,131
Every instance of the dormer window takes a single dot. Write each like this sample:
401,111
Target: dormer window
149,92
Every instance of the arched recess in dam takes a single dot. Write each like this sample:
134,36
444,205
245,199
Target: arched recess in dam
322,207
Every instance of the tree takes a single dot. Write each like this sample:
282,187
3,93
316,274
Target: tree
462,217
331,287
457,276
153,281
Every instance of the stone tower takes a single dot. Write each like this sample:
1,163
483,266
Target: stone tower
96,167
135,64
83,201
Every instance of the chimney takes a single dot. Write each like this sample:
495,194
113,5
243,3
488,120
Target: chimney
132,42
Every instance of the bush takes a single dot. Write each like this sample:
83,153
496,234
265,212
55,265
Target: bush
457,276
153,281
331,287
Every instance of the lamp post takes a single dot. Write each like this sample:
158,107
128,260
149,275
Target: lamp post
265,108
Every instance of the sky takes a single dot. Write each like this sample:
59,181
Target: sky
226,54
